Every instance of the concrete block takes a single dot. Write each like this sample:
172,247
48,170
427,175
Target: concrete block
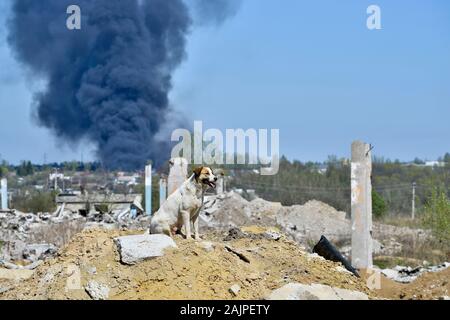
297,291
234,289
97,291
137,248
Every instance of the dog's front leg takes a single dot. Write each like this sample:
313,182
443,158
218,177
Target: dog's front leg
195,223
187,223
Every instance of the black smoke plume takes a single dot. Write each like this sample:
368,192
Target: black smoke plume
108,82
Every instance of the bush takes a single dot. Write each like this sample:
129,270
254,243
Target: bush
36,202
379,207
437,215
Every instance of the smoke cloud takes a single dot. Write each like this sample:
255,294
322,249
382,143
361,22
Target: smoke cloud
108,82
206,12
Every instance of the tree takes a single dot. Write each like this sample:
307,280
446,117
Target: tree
437,215
379,207
447,158
35,202
25,169
3,170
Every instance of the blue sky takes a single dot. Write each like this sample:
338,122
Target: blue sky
309,68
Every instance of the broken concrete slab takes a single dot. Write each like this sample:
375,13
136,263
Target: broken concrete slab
297,291
97,291
136,248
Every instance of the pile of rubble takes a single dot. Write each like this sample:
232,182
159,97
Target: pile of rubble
404,274
112,264
27,238
304,223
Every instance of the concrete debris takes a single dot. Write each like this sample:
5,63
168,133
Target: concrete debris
188,272
272,235
254,233
135,248
303,223
28,237
5,289
97,291
10,265
235,233
207,245
408,274
234,289
91,270
34,252
297,291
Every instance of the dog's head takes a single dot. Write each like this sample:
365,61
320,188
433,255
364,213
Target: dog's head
205,175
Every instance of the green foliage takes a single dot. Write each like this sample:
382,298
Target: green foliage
297,182
379,207
437,215
447,158
25,169
3,171
36,202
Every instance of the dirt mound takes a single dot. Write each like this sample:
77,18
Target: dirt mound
195,270
430,285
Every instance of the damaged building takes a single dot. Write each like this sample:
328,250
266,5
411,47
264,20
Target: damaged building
117,205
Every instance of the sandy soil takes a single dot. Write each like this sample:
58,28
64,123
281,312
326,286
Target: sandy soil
430,285
189,272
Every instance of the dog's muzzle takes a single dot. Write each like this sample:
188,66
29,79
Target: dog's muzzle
212,184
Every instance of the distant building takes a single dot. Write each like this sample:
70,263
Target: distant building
426,164
129,180
434,164
105,203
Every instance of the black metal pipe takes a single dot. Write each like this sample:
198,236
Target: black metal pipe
325,249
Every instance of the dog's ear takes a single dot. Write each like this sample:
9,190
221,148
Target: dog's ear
197,171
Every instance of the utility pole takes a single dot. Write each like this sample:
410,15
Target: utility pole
4,194
56,179
413,202
148,189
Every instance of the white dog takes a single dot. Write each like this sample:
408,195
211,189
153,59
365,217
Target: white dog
183,206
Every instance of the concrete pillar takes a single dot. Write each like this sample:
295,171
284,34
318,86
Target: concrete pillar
4,194
148,189
177,174
162,190
220,185
361,203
